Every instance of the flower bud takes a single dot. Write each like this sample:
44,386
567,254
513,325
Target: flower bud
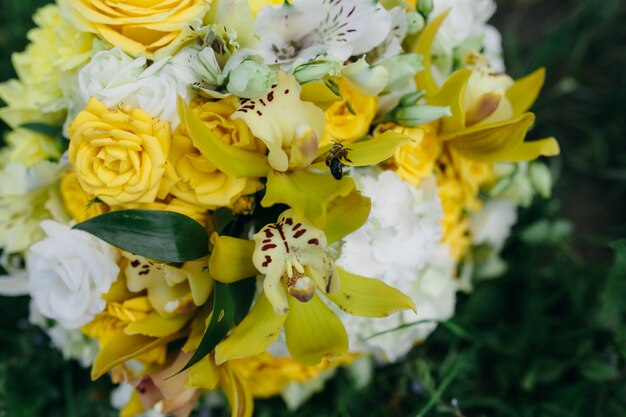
419,115
313,71
250,79
415,22
540,178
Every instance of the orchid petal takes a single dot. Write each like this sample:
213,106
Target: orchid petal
424,78
308,193
237,392
346,215
123,347
490,142
259,329
231,259
528,151
368,297
523,93
319,93
156,326
229,159
280,118
452,93
314,332
377,149
203,374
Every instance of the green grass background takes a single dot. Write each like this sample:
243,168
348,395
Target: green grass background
547,339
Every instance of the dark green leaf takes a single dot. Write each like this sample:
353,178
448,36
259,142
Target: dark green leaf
159,235
597,369
222,318
44,129
243,294
222,217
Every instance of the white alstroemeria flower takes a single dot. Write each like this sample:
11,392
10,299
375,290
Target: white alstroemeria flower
68,273
304,29
115,78
368,80
392,45
467,20
289,127
399,244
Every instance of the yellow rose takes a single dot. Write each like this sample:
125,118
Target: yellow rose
80,205
349,119
415,160
119,155
192,177
37,96
137,26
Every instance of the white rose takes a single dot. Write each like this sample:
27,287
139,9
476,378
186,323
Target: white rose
114,77
68,273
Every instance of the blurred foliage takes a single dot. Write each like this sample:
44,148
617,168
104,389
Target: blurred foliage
547,339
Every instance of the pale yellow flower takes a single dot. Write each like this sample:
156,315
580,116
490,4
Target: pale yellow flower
27,147
349,119
191,177
137,26
55,51
119,155
256,5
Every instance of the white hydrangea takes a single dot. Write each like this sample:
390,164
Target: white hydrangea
466,22
492,225
113,77
399,244
68,273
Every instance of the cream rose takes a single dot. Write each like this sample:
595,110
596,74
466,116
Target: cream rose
68,272
138,27
119,155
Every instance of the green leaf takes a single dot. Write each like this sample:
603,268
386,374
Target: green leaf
159,235
222,217
597,369
44,129
243,294
222,319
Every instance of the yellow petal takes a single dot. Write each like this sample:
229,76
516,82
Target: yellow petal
314,332
452,94
237,392
133,406
377,149
528,151
345,215
368,297
490,142
308,193
253,335
424,78
229,159
231,259
156,326
318,93
204,374
123,347
200,282
523,93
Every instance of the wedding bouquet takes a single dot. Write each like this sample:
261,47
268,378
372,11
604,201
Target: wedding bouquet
242,196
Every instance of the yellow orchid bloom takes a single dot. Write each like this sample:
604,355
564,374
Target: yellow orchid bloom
489,118
298,272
